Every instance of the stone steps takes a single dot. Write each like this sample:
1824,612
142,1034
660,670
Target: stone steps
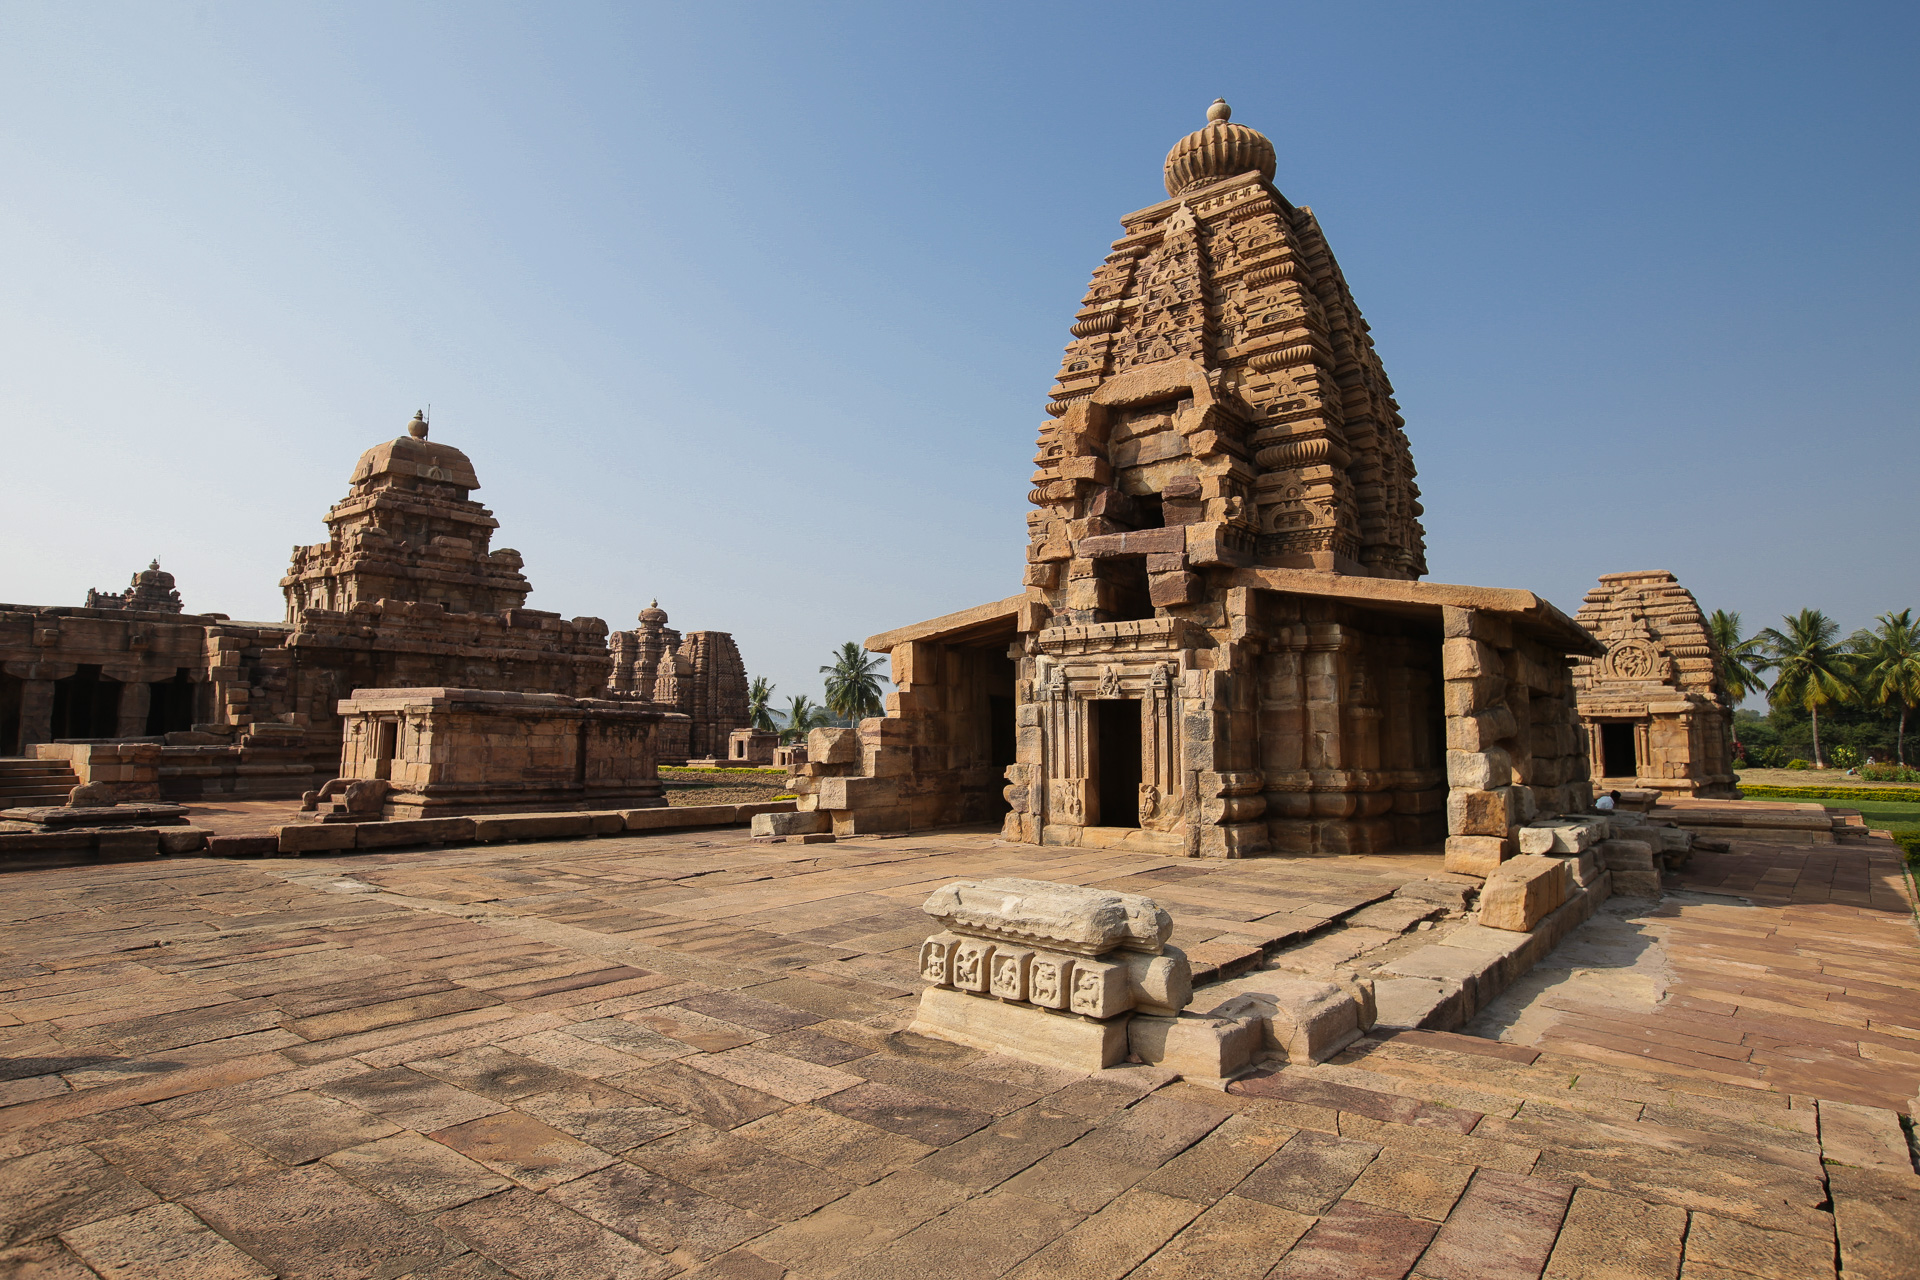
27,783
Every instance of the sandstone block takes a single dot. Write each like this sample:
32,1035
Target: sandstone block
386,835
789,824
1458,623
1463,658
1523,891
1021,1031
1050,980
1481,729
833,746
1071,918
1479,770
1199,1048
936,959
1166,590
1628,855
1159,984
1567,835
175,841
1007,972
1099,989
1636,884
970,964
1477,855
1482,813
527,826
314,837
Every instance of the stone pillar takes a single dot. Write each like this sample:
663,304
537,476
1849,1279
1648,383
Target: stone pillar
36,698
135,698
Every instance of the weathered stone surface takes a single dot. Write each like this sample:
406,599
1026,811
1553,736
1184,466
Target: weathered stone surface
1519,894
1026,1033
1305,1020
1199,1048
1089,922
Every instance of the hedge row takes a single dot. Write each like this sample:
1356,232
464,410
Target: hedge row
1897,795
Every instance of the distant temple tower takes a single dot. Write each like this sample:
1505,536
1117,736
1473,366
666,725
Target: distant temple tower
407,531
151,591
700,676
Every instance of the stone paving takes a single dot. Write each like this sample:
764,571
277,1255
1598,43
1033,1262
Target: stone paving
682,1054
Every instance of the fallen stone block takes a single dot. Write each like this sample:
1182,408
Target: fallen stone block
313,837
817,837
1636,884
408,831
1571,835
1672,839
1523,891
531,826
790,823
1305,1020
176,841
1203,1049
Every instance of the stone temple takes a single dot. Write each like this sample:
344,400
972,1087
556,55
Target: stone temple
407,592
1223,646
1653,708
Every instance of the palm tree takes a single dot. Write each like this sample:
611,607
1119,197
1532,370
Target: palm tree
758,695
1739,662
802,715
1813,669
1889,667
853,683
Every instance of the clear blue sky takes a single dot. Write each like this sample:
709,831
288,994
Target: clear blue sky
754,307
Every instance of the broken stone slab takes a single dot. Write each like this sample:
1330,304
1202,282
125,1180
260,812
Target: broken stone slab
1563,835
99,815
1522,892
1022,1031
1449,892
1071,918
1306,1020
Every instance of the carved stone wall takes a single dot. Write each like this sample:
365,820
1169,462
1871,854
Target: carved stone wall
1655,695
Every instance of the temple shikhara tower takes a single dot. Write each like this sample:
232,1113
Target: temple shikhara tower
1223,646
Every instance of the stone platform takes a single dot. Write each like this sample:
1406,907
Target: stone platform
683,1054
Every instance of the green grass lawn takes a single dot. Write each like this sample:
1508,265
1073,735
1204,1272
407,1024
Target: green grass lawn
1901,820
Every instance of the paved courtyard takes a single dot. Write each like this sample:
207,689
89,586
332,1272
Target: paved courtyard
684,1054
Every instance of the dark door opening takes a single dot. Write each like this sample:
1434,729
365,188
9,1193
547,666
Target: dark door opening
1618,756
86,705
1116,761
386,747
170,705
10,688
1001,747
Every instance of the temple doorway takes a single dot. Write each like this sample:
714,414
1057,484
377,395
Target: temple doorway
1618,753
170,705
86,705
9,714
1116,761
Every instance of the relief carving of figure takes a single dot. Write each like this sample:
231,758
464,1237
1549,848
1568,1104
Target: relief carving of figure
1110,683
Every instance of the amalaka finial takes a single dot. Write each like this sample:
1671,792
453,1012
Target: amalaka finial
654,603
418,427
1219,112
155,564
